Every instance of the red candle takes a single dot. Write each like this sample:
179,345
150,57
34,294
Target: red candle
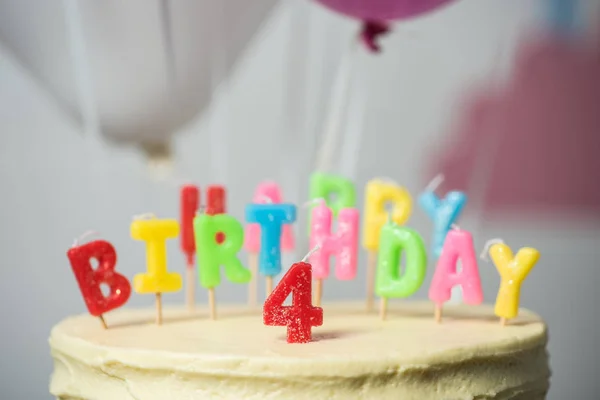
216,199
90,279
301,316
189,201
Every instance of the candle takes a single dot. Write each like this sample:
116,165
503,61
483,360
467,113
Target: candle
90,279
301,316
378,194
393,240
343,244
215,200
189,202
443,212
271,218
513,270
216,204
458,245
213,255
266,193
337,191
157,279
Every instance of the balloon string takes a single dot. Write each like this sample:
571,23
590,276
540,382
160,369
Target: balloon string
337,110
219,110
355,130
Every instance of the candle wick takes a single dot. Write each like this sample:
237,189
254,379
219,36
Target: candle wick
385,179
144,216
488,244
266,199
455,227
316,248
314,201
435,183
83,236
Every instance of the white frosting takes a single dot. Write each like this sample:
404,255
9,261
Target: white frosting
354,355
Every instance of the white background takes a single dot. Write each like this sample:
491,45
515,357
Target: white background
60,176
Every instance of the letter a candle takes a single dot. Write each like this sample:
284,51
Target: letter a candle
212,255
394,240
378,193
266,193
458,245
157,278
513,270
90,279
343,244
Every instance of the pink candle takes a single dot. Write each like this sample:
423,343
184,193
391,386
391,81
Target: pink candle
343,244
458,245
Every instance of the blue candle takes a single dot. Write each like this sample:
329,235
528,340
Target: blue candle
270,217
443,213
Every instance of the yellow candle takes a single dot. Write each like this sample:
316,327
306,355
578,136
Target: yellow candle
378,194
157,278
513,271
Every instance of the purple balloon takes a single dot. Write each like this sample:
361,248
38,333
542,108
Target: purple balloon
383,10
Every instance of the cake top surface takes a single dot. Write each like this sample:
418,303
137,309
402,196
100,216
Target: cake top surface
350,342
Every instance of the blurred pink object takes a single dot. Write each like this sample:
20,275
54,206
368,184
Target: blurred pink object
376,14
383,10
540,132
267,192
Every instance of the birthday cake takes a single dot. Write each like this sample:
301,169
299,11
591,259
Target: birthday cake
355,355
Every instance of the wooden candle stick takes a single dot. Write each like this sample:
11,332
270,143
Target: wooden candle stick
371,268
158,309
253,286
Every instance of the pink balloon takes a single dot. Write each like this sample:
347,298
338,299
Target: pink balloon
383,10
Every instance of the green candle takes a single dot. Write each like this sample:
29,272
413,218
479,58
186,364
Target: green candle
394,240
338,192
211,255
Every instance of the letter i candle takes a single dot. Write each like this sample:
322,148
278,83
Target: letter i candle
343,244
378,193
267,193
157,279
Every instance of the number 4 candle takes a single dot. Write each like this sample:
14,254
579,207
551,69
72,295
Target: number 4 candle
90,279
157,279
301,316
513,271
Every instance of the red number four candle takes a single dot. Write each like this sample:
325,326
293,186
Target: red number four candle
301,316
